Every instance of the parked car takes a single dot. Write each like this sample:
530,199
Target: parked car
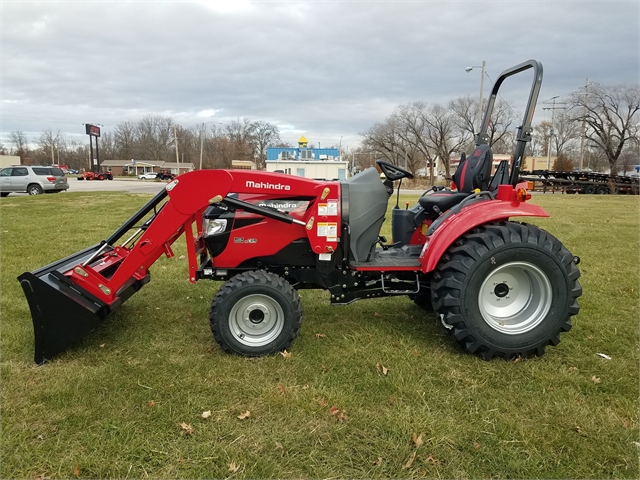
148,176
165,175
32,179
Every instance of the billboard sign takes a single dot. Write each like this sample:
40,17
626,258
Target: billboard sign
92,130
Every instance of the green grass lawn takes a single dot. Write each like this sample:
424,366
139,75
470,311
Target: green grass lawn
128,401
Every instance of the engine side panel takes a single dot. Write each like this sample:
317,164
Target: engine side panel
252,236
368,199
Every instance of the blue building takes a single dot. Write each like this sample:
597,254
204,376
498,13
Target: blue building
302,152
316,163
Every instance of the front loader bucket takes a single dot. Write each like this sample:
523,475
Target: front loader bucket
63,313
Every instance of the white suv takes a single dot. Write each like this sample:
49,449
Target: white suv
148,176
32,179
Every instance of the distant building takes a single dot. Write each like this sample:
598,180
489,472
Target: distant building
538,163
8,160
317,163
243,165
137,167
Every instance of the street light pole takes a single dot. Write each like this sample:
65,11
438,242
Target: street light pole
549,140
202,140
468,69
201,145
583,133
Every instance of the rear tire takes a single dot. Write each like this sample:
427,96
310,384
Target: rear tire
590,189
255,313
4,194
34,189
506,290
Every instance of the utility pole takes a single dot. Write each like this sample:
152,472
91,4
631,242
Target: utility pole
484,64
201,144
584,124
97,157
175,136
553,109
468,69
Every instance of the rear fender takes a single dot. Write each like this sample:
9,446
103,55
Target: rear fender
469,217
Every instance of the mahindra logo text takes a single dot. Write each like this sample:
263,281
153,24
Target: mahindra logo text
268,186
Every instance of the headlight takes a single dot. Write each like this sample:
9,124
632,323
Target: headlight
213,227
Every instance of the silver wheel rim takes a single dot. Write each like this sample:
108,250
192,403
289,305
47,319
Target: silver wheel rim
34,191
256,320
515,298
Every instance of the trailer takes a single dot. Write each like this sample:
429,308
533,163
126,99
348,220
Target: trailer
581,182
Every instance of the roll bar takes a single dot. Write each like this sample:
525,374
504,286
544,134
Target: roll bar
524,131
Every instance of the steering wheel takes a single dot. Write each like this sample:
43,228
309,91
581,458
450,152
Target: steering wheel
393,172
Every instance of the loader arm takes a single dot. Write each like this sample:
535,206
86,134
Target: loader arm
70,297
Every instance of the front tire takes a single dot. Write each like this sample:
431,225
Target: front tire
506,290
255,313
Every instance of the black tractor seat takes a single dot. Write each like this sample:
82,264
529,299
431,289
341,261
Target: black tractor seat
473,173
443,201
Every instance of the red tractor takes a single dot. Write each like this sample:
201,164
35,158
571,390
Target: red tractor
501,288
96,176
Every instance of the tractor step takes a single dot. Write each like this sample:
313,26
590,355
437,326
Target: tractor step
405,258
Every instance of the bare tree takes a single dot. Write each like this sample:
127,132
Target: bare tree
542,132
155,138
240,134
466,111
413,122
611,116
628,160
265,134
445,137
125,140
387,140
362,158
20,143
383,140
77,154
189,144
502,118
107,146
49,143
565,131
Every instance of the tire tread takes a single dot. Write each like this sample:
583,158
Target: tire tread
448,278
255,277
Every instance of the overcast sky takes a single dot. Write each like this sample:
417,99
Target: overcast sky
328,70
